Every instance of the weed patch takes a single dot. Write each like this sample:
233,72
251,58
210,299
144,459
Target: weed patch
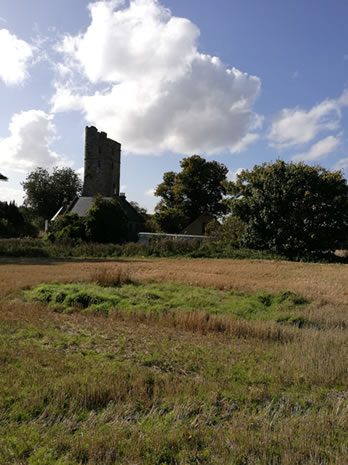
185,305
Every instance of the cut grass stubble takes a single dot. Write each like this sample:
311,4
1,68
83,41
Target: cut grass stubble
140,385
184,307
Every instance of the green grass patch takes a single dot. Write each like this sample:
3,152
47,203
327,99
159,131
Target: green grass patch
161,298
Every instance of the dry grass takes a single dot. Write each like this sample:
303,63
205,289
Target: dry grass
112,277
177,389
321,282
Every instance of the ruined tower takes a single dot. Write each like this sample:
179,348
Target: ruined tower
102,164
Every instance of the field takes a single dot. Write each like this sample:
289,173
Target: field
203,384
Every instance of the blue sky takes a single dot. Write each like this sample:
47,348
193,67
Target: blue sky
239,81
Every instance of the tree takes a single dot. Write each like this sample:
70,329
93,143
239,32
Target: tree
291,208
198,188
149,224
13,223
3,178
106,221
46,193
230,231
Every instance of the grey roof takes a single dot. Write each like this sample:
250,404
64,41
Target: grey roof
130,211
84,204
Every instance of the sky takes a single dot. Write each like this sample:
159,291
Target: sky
242,82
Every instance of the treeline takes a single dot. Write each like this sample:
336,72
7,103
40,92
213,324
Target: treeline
290,210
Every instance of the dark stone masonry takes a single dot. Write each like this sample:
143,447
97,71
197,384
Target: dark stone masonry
102,164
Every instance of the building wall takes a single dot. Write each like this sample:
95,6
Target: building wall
102,164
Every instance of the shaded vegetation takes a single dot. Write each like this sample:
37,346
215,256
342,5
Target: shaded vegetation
163,248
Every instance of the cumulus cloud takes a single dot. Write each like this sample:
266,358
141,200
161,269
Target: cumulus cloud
15,56
320,149
296,126
160,92
29,143
10,194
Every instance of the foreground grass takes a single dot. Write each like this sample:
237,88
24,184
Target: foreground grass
83,389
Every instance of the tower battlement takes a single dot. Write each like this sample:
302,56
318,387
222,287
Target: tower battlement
102,164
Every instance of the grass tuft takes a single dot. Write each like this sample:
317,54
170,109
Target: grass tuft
115,277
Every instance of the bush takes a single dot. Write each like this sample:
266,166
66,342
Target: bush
106,221
162,248
69,227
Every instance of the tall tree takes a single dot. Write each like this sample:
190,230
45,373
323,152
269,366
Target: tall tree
46,193
291,208
198,188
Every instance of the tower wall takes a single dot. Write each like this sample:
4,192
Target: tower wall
102,164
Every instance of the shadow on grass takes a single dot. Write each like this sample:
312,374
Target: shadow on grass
54,261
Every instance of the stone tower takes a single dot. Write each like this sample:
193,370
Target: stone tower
102,164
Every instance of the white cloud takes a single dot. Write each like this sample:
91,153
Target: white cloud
10,194
295,126
81,172
15,56
320,149
29,143
162,93
150,192
232,175
342,164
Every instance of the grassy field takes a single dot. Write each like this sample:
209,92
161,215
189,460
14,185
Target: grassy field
190,362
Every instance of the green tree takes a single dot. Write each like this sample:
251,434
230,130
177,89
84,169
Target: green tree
198,188
46,193
13,223
291,208
229,231
106,221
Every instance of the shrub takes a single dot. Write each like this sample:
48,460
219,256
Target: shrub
69,227
106,221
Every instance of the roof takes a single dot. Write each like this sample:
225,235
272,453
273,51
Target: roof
130,211
83,204
201,220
